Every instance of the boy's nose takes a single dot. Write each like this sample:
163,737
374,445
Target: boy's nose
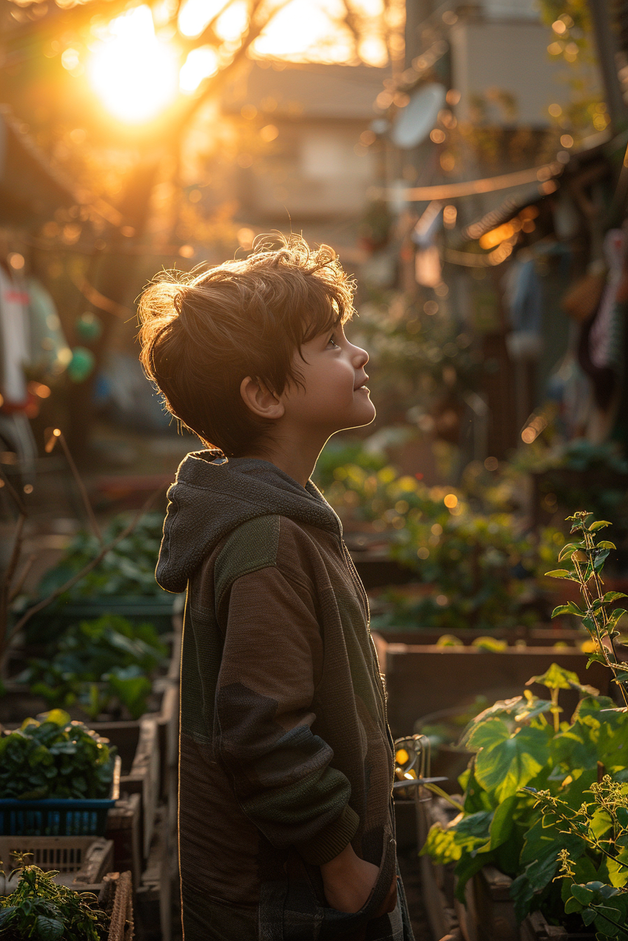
360,357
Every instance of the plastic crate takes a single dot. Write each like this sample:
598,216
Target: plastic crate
78,860
58,816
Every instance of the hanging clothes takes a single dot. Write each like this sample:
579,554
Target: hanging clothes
524,301
14,340
601,340
49,353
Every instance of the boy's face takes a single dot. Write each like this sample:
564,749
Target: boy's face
333,395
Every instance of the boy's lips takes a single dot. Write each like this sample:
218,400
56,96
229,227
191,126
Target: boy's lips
362,385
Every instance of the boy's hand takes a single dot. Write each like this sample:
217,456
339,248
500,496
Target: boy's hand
349,880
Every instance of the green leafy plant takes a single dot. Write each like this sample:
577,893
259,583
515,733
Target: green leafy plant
98,663
339,452
54,757
481,567
564,474
126,570
522,743
586,558
594,840
547,800
39,909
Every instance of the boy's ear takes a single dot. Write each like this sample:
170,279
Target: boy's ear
260,400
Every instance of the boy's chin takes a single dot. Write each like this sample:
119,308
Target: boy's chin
367,420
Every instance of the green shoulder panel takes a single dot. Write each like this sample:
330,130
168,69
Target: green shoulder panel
250,547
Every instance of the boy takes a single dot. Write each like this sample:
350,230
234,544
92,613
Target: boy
286,762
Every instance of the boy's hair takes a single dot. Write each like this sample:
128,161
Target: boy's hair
202,333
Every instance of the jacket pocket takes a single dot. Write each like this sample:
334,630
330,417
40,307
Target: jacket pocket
306,918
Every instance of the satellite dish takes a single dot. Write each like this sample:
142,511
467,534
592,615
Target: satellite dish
417,119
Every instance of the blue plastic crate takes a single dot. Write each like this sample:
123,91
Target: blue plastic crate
58,816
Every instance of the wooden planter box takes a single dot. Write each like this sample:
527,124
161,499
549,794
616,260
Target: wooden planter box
153,898
376,568
158,610
543,635
425,679
116,898
139,746
488,913
18,703
437,881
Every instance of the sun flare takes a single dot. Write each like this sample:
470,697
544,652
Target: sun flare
137,73
133,72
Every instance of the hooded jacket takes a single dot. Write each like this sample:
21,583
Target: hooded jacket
285,753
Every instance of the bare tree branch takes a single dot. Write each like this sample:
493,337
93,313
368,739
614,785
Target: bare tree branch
15,554
58,434
208,35
255,27
352,20
14,592
15,496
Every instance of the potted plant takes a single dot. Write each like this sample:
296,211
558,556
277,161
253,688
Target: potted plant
56,777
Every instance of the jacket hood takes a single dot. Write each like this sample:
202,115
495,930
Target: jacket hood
212,496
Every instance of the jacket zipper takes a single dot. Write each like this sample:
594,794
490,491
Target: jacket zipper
357,581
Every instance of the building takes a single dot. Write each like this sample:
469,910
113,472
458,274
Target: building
306,126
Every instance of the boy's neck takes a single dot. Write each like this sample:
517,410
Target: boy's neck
296,460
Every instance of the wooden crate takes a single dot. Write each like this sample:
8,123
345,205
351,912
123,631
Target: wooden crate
144,777
535,928
124,828
138,746
489,911
154,900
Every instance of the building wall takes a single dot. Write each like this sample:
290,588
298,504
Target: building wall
511,57
318,170
316,166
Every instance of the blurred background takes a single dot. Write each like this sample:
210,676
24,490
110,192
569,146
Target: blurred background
465,160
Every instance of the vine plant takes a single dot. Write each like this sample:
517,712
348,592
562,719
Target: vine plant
595,835
587,557
600,851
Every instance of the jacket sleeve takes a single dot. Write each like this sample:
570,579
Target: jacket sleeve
280,771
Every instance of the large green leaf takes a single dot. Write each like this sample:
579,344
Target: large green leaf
506,762
502,822
556,677
505,707
465,870
539,861
48,929
441,845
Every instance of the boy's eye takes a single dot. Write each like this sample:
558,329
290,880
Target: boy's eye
332,341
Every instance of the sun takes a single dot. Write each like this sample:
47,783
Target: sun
137,74
133,72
